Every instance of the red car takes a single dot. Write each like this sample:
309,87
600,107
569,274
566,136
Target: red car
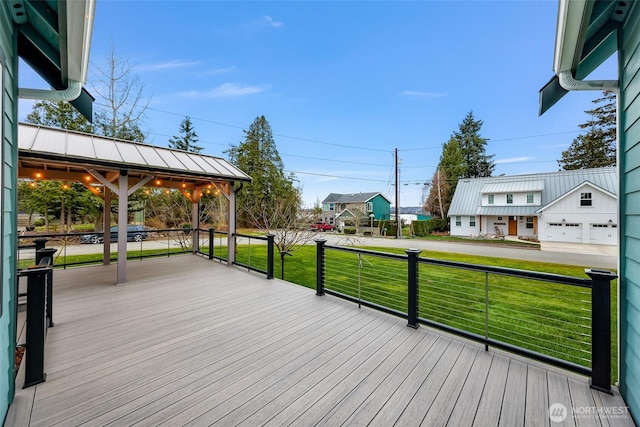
321,226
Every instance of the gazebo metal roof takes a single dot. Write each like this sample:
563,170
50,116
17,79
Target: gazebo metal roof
49,153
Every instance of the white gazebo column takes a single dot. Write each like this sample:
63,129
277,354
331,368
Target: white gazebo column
123,212
106,226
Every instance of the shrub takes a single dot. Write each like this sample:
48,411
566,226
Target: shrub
39,222
349,230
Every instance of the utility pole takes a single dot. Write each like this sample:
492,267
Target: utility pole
398,223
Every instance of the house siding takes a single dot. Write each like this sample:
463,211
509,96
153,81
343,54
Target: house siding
8,58
629,149
381,207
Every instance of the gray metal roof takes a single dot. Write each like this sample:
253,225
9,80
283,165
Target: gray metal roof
507,210
513,187
38,143
467,199
351,198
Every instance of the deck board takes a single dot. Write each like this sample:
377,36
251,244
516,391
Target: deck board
188,341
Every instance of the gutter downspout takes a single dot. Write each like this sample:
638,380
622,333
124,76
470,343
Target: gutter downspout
69,94
566,80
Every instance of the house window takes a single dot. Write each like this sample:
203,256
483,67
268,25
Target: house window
529,197
472,221
369,207
499,218
509,199
530,222
490,198
585,199
331,220
458,221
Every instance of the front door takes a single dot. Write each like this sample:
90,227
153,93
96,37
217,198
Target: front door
513,226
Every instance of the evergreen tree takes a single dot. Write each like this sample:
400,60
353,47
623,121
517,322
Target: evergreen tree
597,147
477,163
188,138
59,115
258,157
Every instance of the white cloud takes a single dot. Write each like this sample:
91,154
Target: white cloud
172,64
268,21
430,95
513,160
260,24
218,70
226,90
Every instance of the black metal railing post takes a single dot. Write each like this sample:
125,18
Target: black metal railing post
40,243
600,329
44,257
320,266
270,259
211,241
412,288
36,328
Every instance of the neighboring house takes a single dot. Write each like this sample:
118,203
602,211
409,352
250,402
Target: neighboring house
578,206
589,33
53,38
340,208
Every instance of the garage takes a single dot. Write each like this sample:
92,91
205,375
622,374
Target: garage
603,234
570,232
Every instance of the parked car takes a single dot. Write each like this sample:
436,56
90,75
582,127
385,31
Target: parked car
135,233
321,226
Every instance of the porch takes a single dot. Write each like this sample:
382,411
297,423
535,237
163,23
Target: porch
191,341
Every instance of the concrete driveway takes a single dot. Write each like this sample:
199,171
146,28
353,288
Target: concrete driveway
587,256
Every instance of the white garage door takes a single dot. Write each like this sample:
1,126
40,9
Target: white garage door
603,234
564,232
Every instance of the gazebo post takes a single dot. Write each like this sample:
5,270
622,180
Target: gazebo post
231,238
123,211
195,221
106,225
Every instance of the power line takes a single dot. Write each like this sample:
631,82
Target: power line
515,138
275,134
335,176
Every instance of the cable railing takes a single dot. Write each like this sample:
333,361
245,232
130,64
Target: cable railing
87,248
561,320
250,253
218,242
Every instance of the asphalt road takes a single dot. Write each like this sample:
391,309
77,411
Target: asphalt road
588,256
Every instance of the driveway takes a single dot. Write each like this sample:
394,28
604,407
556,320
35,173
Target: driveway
587,256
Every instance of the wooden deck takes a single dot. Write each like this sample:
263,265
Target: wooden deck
193,342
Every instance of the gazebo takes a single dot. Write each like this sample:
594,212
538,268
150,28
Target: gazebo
109,167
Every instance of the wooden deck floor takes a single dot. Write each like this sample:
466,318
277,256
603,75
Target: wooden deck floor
192,342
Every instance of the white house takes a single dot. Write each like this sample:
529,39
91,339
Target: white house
578,206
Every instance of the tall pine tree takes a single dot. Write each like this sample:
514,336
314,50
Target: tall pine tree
597,147
258,157
477,163
188,138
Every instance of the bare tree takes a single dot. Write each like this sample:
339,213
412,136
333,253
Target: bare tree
120,100
287,221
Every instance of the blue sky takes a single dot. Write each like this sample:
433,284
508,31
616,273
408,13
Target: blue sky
344,83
